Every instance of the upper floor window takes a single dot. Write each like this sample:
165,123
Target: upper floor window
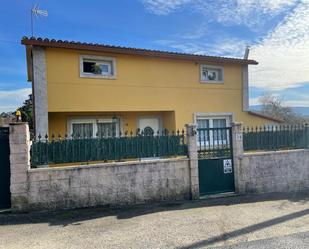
211,74
97,66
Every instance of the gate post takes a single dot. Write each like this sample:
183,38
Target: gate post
193,160
238,151
20,163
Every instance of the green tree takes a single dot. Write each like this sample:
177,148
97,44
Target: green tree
27,111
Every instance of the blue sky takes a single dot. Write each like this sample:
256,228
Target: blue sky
277,32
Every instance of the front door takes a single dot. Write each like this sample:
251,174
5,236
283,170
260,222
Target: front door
149,125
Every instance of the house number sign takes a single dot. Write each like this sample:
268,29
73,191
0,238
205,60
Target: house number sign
227,166
238,136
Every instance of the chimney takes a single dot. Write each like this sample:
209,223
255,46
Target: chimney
246,55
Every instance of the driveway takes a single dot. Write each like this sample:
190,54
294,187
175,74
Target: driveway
234,222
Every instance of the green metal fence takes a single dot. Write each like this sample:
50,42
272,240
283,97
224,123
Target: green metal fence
214,142
276,137
127,146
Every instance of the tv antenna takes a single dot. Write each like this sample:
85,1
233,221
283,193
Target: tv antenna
35,11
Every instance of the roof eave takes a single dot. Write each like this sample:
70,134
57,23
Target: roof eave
133,51
265,116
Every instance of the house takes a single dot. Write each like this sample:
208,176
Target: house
6,119
93,89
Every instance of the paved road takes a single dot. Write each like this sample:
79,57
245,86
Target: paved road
295,241
235,222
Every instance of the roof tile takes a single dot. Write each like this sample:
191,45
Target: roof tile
45,42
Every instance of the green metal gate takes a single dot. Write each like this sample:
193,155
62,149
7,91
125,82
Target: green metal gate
5,195
215,160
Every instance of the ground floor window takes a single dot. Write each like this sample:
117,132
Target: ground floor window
82,129
93,127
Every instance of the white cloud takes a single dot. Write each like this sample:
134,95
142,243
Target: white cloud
297,103
163,7
231,47
251,13
291,103
10,100
284,54
186,47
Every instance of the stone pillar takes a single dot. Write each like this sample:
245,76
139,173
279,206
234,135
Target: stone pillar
245,89
19,164
192,152
238,151
40,92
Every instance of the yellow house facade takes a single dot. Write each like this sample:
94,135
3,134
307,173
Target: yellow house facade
96,89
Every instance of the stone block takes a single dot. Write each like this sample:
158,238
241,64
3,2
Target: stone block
194,172
35,176
62,184
43,185
22,128
59,174
20,158
19,148
18,167
19,177
17,188
19,139
195,192
19,202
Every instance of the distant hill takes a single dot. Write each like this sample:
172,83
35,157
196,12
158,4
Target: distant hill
302,110
299,109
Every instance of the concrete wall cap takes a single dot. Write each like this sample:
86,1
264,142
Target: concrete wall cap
262,153
236,123
113,164
18,123
190,125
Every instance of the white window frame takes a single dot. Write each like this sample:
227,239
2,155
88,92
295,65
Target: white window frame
81,121
82,74
229,118
109,120
202,80
91,120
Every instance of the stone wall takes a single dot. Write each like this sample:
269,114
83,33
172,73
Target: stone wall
119,183
114,184
267,172
128,183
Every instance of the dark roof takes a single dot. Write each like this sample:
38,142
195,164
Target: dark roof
32,41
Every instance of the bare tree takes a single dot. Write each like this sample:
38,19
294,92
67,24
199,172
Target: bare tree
272,106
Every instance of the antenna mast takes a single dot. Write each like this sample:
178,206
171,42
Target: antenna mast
35,11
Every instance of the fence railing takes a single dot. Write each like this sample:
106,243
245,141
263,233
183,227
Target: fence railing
74,149
276,137
214,142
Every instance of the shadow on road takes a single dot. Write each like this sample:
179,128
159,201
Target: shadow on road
77,216
246,230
